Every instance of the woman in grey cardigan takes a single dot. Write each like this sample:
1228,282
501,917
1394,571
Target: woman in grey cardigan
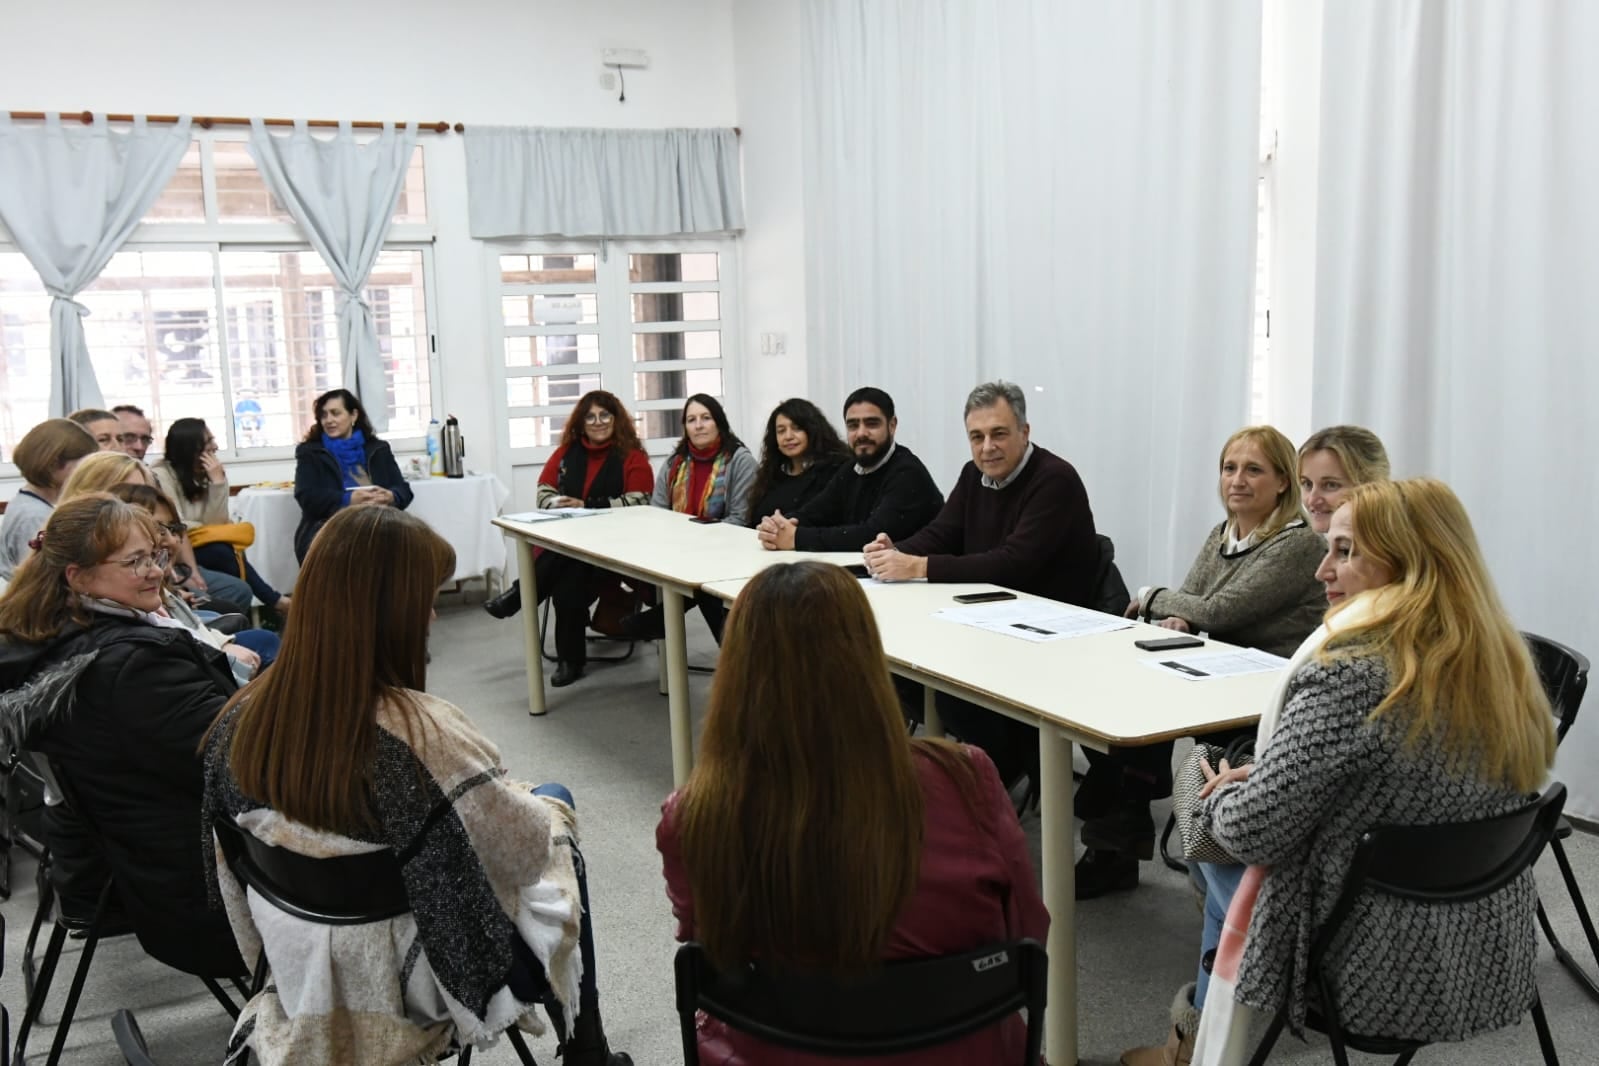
1427,708
1253,584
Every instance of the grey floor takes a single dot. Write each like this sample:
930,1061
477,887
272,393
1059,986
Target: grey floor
607,739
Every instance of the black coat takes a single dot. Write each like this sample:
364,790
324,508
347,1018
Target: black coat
120,708
319,485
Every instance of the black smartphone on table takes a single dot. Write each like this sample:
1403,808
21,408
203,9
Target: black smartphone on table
985,597
705,521
1168,643
857,570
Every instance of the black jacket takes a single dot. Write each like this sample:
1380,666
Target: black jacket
119,708
789,492
319,485
897,498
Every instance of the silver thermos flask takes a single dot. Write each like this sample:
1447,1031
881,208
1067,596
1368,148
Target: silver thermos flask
453,448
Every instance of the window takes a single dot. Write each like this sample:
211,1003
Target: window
646,321
218,309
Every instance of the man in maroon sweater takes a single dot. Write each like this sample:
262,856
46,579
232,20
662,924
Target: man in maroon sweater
1018,517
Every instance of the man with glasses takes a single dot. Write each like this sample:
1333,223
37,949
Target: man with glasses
135,434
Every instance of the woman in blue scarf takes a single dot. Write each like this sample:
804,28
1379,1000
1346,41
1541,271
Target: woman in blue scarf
341,462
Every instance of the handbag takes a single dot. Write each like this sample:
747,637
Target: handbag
1198,845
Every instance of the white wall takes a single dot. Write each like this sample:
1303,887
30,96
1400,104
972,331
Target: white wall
766,55
490,62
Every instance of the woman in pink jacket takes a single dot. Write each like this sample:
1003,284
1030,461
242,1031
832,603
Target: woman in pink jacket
815,832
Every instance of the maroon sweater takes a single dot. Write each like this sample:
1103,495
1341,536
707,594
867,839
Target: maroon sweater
1034,535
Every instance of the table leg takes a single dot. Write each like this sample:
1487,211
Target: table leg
530,627
677,688
1060,894
662,682
932,724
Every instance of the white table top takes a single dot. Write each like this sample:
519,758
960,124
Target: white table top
1092,686
661,546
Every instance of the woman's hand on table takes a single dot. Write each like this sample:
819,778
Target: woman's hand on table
566,501
1174,623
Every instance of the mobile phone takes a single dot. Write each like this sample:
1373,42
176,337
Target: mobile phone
705,521
985,597
1169,643
858,570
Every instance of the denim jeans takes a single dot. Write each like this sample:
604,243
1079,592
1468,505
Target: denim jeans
263,642
1221,884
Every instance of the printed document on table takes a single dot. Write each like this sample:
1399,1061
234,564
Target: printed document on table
1208,665
529,517
1038,621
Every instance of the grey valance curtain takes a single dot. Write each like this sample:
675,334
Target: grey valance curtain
537,182
70,198
342,193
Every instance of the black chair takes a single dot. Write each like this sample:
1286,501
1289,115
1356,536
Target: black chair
23,815
1433,864
5,1015
92,927
1110,591
344,890
1564,673
900,1007
547,608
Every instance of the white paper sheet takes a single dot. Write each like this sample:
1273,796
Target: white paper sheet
1209,665
529,517
1038,621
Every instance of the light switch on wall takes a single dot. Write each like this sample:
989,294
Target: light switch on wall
774,343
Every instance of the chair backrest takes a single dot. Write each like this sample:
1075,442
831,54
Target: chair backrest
1453,862
1110,591
342,890
899,1007
1564,673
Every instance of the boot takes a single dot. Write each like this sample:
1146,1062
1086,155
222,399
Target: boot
506,603
1103,872
1129,828
1179,1047
587,1045
566,672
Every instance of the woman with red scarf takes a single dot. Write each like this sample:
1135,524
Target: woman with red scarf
600,463
708,475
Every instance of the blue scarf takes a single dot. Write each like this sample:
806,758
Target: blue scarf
351,453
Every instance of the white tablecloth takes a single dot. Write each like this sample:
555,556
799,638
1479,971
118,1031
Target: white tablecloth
459,509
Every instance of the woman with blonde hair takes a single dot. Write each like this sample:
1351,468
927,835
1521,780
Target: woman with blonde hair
98,472
1253,584
45,457
1334,460
1422,704
339,750
814,833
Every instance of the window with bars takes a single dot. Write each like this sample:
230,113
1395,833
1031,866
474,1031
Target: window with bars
217,309
647,321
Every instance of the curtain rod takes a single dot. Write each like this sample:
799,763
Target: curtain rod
205,122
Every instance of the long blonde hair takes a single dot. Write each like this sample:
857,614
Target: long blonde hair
98,472
801,825
1279,452
1462,677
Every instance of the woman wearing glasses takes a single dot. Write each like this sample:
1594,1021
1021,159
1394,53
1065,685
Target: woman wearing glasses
118,698
342,463
600,463
195,480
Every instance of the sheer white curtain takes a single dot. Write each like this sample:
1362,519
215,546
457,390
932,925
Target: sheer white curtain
1057,192
342,193
70,197
1458,255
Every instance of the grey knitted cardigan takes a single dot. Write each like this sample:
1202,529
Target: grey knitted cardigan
1265,597
1327,775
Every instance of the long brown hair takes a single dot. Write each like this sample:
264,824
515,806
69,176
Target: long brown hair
624,436
801,825
83,531
306,732
1462,678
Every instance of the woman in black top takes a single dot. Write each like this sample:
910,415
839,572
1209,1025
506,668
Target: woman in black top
799,453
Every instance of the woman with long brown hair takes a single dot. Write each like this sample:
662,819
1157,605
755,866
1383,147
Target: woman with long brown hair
599,463
814,832
339,750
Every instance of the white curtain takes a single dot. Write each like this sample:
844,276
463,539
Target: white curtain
1457,265
537,182
342,193
1058,192
70,197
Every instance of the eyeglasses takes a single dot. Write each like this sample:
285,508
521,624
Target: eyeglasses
155,561
177,529
136,438
598,418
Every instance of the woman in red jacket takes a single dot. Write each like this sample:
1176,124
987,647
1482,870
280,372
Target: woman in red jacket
600,463
815,833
